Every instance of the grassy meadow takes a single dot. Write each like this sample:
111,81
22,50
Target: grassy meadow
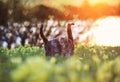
88,64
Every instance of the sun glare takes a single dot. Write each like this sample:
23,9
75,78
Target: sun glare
107,31
110,2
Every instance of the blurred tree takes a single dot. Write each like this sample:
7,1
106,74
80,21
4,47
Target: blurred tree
13,6
42,12
16,10
3,13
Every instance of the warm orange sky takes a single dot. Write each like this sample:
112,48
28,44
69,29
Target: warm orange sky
73,2
58,3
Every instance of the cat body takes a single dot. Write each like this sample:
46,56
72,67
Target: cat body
61,46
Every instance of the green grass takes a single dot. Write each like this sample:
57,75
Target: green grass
89,64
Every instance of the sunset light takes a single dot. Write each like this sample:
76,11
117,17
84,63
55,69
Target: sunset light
59,40
107,31
110,2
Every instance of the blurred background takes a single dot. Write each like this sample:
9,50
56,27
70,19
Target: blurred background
20,20
20,10
96,33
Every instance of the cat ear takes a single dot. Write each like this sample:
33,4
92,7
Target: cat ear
42,34
69,31
70,23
